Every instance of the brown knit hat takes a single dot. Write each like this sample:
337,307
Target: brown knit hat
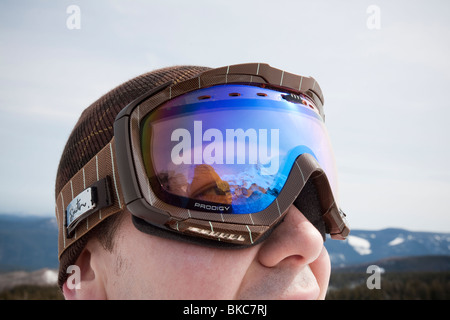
92,133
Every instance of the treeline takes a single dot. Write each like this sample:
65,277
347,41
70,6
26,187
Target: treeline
393,286
32,292
343,286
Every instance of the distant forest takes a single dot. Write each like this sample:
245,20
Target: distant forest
343,286
32,292
394,286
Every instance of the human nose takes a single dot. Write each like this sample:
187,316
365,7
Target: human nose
295,237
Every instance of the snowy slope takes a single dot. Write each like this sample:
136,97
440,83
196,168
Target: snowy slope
364,246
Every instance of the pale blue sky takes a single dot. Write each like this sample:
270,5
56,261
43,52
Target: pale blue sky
385,89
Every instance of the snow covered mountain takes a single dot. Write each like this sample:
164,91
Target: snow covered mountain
28,251
363,246
42,277
30,243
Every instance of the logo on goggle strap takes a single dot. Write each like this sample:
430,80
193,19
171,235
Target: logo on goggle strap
231,150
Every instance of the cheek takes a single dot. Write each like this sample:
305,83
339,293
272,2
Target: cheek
321,268
207,273
165,269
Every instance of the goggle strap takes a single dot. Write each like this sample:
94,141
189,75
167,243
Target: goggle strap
93,194
334,218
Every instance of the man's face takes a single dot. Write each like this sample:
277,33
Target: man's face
291,263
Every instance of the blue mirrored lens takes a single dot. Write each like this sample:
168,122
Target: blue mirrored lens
230,148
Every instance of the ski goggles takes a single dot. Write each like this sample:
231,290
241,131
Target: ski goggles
218,157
